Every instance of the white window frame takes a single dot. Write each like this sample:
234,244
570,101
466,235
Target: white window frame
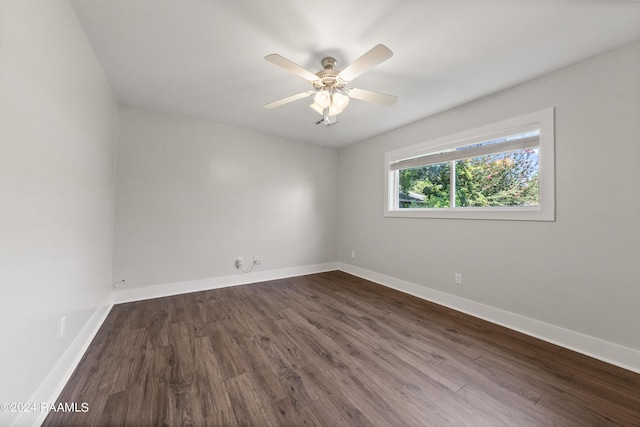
545,211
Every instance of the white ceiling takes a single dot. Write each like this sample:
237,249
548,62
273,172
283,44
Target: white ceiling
204,58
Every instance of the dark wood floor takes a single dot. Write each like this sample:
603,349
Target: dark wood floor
332,350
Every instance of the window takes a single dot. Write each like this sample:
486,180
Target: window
500,171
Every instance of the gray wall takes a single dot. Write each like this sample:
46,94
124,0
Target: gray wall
194,195
57,164
577,273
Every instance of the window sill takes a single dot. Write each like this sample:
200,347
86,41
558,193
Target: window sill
500,214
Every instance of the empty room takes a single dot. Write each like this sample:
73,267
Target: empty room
337,213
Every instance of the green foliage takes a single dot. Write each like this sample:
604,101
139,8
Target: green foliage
506,179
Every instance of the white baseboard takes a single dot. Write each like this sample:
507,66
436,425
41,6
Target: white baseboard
168,289
612,353
54,383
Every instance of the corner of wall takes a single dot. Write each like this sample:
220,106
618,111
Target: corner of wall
176,288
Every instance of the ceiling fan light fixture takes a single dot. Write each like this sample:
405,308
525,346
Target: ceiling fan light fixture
333,110
322,98
340,100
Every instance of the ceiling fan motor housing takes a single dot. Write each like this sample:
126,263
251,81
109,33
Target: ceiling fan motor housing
329,77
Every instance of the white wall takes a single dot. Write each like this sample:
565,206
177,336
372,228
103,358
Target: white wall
578,273
57,160
194,195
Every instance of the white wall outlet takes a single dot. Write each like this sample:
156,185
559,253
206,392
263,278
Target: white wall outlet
353,254
63,326
239,262
256,259
458,278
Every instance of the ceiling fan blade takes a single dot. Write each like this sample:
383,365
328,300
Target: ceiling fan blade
288,99
370,96
375,56
292,67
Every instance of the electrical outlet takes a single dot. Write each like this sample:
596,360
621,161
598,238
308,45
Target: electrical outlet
353,254
256,259
63,326
458,278
239,262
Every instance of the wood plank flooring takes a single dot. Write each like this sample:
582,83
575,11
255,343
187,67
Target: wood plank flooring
331,349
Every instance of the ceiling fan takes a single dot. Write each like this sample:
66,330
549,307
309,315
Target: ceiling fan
330,92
